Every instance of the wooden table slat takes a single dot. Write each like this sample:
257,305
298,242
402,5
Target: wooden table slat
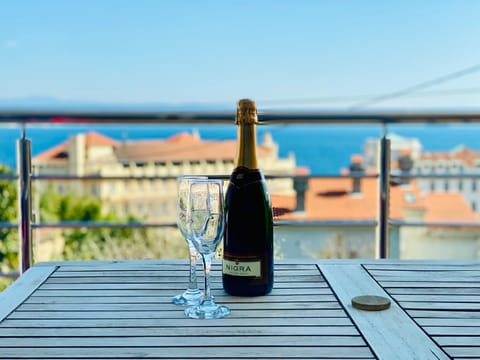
443,299
193,341
183,351
122,309
23,288
326,328
142,307
175,322
390,333
173,314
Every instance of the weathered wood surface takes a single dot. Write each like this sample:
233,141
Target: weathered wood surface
23,288
122,310
390,332
443,299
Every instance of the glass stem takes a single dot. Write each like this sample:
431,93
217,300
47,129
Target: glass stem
193,269
207,265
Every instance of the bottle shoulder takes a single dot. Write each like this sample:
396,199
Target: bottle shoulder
243,175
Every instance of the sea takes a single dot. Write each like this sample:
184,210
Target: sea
324,149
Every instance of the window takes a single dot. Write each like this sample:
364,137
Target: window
410,198
474,185
446,185
460,185
432,185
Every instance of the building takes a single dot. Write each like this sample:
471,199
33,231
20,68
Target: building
455,171
319,205
397,145
446,165
149,191
342,200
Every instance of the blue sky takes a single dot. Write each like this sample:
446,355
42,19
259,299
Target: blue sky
284,54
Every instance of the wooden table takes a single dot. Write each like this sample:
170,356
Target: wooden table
122,309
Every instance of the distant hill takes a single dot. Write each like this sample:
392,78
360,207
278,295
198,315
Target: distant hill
54,104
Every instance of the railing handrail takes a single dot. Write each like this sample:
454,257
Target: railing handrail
61,117
446,224
393,175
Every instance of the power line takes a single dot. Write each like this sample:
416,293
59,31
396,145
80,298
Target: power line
420,86
346,98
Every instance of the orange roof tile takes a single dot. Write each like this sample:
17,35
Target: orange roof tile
464,154
332,199
302,170
56,152
93,138
183,137
443,206
182,146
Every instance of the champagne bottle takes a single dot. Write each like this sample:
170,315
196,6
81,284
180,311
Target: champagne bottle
248,242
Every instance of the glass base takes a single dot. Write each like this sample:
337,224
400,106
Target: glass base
207,311
190,297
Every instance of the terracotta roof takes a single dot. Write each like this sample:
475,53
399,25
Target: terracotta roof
60,151
57,152
93,138
302,170
157,150
182,146
443,206
183,137
332,199
464,154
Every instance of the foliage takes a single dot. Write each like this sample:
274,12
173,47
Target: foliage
104,242
83,243
8,207
4,283
338,248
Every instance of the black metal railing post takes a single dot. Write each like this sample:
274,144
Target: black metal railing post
382,240
24,168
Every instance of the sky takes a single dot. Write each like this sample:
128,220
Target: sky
295,54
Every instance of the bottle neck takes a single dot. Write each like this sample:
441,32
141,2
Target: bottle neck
247,146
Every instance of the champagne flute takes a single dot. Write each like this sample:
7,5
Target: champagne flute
191,296
207,224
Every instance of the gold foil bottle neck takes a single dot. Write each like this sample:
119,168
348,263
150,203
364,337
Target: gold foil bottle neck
246,112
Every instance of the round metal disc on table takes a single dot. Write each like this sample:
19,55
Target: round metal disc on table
371,302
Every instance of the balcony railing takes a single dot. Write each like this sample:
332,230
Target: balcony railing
383,223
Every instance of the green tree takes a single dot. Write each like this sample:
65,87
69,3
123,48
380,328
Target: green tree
106,243
8,208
